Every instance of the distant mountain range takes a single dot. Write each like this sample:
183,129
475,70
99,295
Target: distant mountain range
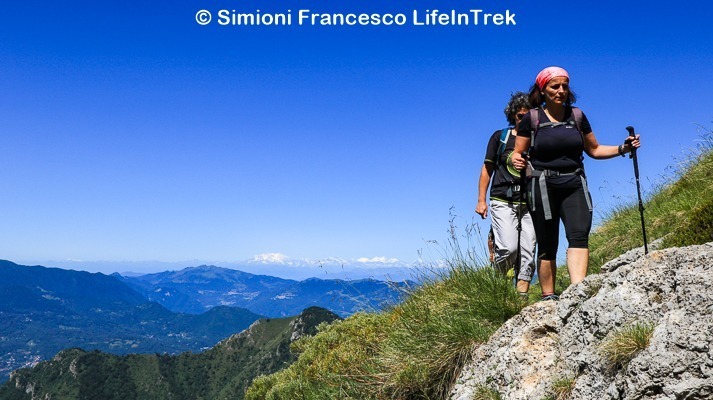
272,264
44,310
223,372
197,289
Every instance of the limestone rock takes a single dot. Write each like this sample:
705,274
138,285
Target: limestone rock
550,341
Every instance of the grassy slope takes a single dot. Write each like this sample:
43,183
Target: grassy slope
679,212
415,350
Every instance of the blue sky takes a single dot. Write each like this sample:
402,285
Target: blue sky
130,132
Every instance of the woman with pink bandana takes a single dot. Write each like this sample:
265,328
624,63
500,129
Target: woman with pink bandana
556,135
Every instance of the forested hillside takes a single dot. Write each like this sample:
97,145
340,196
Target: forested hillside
222,372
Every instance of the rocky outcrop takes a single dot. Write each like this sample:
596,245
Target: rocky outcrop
555,344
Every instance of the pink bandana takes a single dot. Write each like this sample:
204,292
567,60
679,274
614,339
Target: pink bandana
547,74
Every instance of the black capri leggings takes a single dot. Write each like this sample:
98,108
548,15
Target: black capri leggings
570,205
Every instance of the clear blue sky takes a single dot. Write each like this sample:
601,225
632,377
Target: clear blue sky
131,132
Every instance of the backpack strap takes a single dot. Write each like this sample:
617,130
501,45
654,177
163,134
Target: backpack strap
504,137
499,165
534,120
535,124
577,114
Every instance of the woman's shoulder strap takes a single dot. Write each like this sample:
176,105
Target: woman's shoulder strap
534,119
578,117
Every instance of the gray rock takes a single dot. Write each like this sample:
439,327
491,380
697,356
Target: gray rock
547,342
630,256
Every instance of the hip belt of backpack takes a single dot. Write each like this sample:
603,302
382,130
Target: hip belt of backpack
541,177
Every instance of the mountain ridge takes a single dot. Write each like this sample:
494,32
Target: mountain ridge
221,372
44,310
285,267
195,289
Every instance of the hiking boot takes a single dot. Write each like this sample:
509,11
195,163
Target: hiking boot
552,296
524,298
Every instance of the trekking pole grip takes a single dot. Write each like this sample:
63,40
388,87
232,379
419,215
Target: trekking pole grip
523,172
630,129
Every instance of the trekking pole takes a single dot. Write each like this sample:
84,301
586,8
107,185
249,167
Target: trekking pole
523,197
516,269
638,188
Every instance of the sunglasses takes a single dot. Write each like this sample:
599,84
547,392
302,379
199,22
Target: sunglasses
519,116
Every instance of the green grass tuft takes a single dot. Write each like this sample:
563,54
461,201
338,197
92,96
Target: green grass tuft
438,325
486,393
624,344
697,227
563,387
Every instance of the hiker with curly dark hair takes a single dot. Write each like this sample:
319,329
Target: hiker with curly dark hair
513,234
556,135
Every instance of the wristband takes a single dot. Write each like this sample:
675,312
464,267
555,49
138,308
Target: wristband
621,150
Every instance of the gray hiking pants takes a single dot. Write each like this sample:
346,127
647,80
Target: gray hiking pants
504,217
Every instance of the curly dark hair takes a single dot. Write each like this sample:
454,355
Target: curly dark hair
518,100
537,99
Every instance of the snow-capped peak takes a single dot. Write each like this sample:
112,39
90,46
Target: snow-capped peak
379,260
270,258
